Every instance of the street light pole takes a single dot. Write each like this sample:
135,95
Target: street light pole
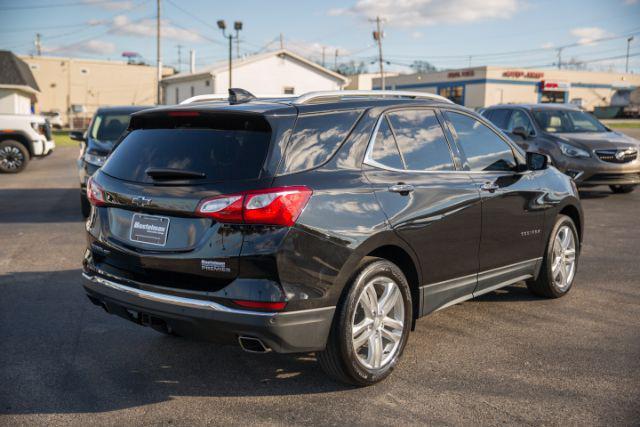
626,66
236,26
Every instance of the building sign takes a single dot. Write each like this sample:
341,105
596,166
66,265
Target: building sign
517,74
462,73
554,86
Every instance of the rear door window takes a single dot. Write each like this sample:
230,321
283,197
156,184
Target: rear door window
385,150
520,119
316,138
499,117
421,140
220,155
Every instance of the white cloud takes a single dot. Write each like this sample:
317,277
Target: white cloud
416,35
416,13
313,50
111,5
547,45
94,47
121,25
587,35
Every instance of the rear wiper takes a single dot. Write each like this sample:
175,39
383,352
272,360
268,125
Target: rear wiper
168,173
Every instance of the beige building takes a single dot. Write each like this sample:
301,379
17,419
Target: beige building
485,86
83,85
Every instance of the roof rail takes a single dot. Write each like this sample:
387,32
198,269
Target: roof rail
311,97
224,97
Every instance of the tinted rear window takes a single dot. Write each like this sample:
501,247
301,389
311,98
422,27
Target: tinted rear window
220,154
498,117
316,138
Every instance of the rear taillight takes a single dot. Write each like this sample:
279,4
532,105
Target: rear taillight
273,206
95,193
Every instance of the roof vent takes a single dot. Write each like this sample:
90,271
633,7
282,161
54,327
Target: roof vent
239,96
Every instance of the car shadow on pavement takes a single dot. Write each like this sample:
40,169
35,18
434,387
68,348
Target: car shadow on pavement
44,205
62,354
594,194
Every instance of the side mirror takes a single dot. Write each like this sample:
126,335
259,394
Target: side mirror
76,135
521,132
537,161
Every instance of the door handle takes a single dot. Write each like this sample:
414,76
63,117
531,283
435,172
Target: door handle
403,189
490,187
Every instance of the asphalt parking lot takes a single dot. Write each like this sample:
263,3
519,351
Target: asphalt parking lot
506,358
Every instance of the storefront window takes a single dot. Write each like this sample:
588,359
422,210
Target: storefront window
453,93
552,97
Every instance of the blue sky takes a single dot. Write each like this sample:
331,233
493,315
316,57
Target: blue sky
443,32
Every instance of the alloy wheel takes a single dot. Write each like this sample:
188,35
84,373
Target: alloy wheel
11,158
378,323
563,268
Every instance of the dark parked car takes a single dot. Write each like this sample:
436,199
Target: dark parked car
328,222
96,143
578,144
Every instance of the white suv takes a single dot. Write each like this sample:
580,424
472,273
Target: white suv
22,137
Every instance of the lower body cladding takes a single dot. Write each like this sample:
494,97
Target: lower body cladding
282,332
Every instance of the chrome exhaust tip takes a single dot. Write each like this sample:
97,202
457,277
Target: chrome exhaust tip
252,345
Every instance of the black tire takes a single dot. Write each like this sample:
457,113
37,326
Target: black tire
544,285
85,206
14,156
622,189
339,359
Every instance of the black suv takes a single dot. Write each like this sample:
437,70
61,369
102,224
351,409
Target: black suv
107,125
328,222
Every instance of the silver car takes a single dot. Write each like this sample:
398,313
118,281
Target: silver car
578,144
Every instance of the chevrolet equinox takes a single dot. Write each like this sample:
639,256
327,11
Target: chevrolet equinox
324,223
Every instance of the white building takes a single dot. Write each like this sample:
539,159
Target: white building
271,73
364,81
18,88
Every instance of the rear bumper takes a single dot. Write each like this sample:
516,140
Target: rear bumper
285,332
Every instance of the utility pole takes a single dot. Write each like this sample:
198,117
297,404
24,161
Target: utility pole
470,58
179,46
323,49
335,60
281,42
377,36
560,58
237,43
626,65
38,45
236,26
158,55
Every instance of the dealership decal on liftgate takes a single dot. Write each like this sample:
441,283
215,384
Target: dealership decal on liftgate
149,229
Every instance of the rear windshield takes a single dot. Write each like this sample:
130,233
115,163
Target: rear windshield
109,127
220,155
